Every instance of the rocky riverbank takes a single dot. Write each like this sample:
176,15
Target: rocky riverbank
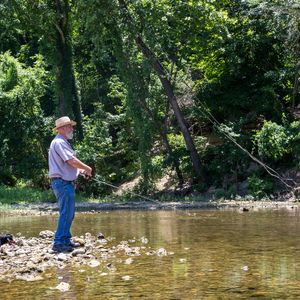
93,207
28,258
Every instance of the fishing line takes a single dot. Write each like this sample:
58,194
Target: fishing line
130,192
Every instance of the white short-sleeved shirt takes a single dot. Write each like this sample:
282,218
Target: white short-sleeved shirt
59,153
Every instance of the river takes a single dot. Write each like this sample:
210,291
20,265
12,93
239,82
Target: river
212,254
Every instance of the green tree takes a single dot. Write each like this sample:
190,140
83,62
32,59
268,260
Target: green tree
23,128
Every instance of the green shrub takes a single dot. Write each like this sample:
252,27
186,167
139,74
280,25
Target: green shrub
272,141
259,187
180,152
294,132
7,178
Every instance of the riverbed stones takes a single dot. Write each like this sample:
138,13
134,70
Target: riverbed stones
128,261
63,287
144,240
28,258
100,236
93,263
79,251
162,252
46,234
62,257
81,241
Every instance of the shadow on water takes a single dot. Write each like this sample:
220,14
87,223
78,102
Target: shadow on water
217,255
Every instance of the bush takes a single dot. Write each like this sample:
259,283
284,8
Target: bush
7,178
272,141
225,163
180,152
294,131
259,187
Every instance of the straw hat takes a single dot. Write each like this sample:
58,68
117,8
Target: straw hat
62,122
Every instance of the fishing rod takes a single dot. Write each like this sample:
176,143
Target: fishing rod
117,187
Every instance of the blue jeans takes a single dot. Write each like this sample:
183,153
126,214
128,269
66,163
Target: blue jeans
65,195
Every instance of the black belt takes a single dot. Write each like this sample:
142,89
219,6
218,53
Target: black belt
54,178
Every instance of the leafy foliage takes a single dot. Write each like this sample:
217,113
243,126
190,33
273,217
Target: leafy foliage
272,141
237,61
22,126
259,187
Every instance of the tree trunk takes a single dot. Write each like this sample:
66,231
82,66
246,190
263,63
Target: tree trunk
77,108
68,100
170,94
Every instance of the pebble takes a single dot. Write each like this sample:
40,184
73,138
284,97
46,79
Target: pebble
94,263
46,234
128,261
63,287
62,257
162,252
144,240
20,251
28,258
100,236
245,268
78,251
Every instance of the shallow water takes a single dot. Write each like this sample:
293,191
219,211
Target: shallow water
217,255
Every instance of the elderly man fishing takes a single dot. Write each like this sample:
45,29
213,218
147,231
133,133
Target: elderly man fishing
64,168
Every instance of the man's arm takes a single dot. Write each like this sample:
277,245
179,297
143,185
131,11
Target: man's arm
76,163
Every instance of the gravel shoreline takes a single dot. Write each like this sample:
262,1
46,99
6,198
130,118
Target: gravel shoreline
92,207
28,258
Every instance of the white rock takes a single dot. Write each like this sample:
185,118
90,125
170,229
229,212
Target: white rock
161,252
20,251
46,234
94,263
245,268
78,251
88,235
128,261
62,257
144,240
63,287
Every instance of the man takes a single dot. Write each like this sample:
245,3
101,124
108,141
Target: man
64,168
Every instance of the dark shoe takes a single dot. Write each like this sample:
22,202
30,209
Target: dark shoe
74,244
62,248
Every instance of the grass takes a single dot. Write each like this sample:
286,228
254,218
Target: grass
23,194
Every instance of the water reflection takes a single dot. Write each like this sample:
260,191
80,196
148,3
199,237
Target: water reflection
217,255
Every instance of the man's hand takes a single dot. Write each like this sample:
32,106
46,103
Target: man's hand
86,173
76,163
